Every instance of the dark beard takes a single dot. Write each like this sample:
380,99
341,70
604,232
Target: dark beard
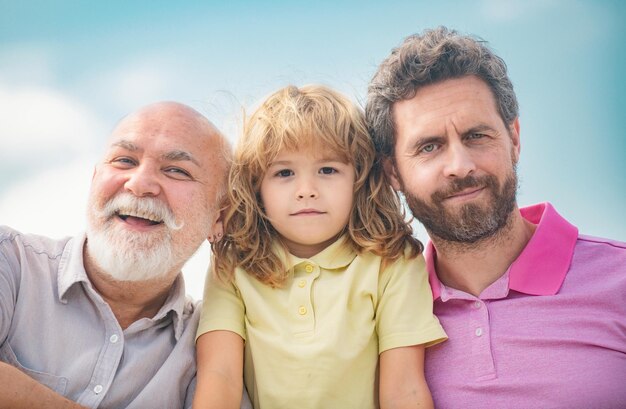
472,222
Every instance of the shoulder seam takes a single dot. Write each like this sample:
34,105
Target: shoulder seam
612,243
12,237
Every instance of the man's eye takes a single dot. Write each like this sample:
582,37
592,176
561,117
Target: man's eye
178,173
283,173
124,161
476,136
327,170
431,147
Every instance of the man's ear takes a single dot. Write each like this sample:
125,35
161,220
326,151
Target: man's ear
392,174
515,139
217,229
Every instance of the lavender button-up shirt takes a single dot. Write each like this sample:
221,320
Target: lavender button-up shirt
56,328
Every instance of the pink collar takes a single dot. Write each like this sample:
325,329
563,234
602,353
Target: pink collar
541,267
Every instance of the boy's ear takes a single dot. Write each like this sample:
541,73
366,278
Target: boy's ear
392,174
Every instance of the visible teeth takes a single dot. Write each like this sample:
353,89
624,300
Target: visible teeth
149,217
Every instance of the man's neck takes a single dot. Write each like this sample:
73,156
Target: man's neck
472,267
129,300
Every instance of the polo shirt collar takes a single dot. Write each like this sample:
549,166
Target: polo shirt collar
541,267
72,271
336,256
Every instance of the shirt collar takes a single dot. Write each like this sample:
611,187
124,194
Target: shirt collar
337,255
543,264
72,271
178,302
71,267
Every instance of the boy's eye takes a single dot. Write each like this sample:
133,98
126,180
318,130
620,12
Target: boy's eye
327,170
283,173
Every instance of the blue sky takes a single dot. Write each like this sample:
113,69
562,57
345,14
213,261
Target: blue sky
69,70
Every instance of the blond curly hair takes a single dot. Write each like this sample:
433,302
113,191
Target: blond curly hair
297,119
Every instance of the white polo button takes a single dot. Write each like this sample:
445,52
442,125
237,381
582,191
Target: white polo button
478,332
308,268
301,283
477,304
302,310
97,389
114,338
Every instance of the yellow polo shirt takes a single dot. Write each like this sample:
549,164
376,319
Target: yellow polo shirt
314,343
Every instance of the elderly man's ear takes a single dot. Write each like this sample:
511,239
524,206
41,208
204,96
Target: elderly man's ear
217,229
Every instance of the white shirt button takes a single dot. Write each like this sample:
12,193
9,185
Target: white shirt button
477,304
97,389
114,338
478,332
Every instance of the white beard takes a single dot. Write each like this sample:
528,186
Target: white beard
126,255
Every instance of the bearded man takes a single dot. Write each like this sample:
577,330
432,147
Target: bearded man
535,312
102,320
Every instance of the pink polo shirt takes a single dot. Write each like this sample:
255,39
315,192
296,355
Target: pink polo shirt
550,333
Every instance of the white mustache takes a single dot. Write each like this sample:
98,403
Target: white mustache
145,207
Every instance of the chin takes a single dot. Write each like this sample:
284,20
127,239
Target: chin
128,256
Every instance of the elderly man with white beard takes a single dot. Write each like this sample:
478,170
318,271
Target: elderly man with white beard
102,320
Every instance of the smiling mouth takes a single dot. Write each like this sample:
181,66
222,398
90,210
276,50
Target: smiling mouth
467,193
138,220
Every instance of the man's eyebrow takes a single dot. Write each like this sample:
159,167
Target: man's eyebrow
477,129
180,156
425,140
176,155
126,145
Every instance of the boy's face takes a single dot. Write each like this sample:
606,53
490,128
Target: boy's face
308,198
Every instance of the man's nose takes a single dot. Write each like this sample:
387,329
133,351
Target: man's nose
459,161
143,181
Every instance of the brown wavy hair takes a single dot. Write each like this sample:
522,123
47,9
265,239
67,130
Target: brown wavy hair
306,118
431,57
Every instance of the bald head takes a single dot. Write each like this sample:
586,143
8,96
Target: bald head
168,114
172,117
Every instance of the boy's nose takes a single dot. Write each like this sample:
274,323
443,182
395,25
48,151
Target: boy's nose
306,190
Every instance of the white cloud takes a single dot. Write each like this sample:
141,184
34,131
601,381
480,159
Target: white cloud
38,121
51,203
